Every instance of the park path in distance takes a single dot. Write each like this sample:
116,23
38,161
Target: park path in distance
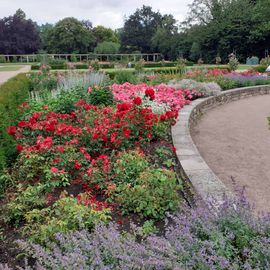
6,75
234,140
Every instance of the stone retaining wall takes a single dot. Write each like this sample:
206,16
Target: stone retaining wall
203,179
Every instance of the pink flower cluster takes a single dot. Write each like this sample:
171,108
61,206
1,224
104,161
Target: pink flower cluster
175,99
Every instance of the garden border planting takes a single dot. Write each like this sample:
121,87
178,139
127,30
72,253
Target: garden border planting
204,180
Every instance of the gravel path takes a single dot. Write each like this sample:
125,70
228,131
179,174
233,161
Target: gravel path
234,140
6,75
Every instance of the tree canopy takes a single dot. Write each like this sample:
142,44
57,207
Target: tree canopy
212,28
70,35
18,35
139,30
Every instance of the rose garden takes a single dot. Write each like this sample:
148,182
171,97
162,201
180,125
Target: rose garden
99,169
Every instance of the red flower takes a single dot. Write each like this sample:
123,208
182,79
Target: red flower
162,117
120,222
123,107
94,136
137,101
45,107
77,165
59,149
150,92
11,130
19,147
44,143
23,105
50,127
54,170
22,124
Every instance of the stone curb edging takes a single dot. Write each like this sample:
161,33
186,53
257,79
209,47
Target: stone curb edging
203,179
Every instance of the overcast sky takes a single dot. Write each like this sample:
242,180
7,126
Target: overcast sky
109,13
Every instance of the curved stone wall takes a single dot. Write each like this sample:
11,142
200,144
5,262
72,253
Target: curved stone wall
203,179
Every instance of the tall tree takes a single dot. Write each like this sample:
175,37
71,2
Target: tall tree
45,31
18,35
259,39
164,39
102,34
139,30
70,35
225,27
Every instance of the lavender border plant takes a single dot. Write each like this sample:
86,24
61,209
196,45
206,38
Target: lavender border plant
232,238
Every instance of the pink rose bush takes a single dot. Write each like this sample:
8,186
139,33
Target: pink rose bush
162,94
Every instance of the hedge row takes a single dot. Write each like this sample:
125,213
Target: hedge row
114,72
63,66
12,93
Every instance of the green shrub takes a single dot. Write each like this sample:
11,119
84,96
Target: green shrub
95,65
265,62
53,61
58,66
139,65
128,166
260,68
12,94
107,47
189,63
25,200
65,100
42,82
233,63
2,59
63,216
226,84
35,67
101,96
81,66
73,58
154,193
159,64
102,65
123,76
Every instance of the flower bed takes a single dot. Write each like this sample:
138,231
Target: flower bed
94,163
91,163
229,80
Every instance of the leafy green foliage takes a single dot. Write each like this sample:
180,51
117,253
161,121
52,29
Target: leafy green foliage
63,216
12,94
69,35
25,200
101,96
2,59
107,47
42,82
148,228
102,34
233,63
139,65
123,76
139,29
154,193
128,166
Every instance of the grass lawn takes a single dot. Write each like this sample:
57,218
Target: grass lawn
9,67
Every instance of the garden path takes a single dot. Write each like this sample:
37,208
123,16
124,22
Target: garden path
234,140
6,75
